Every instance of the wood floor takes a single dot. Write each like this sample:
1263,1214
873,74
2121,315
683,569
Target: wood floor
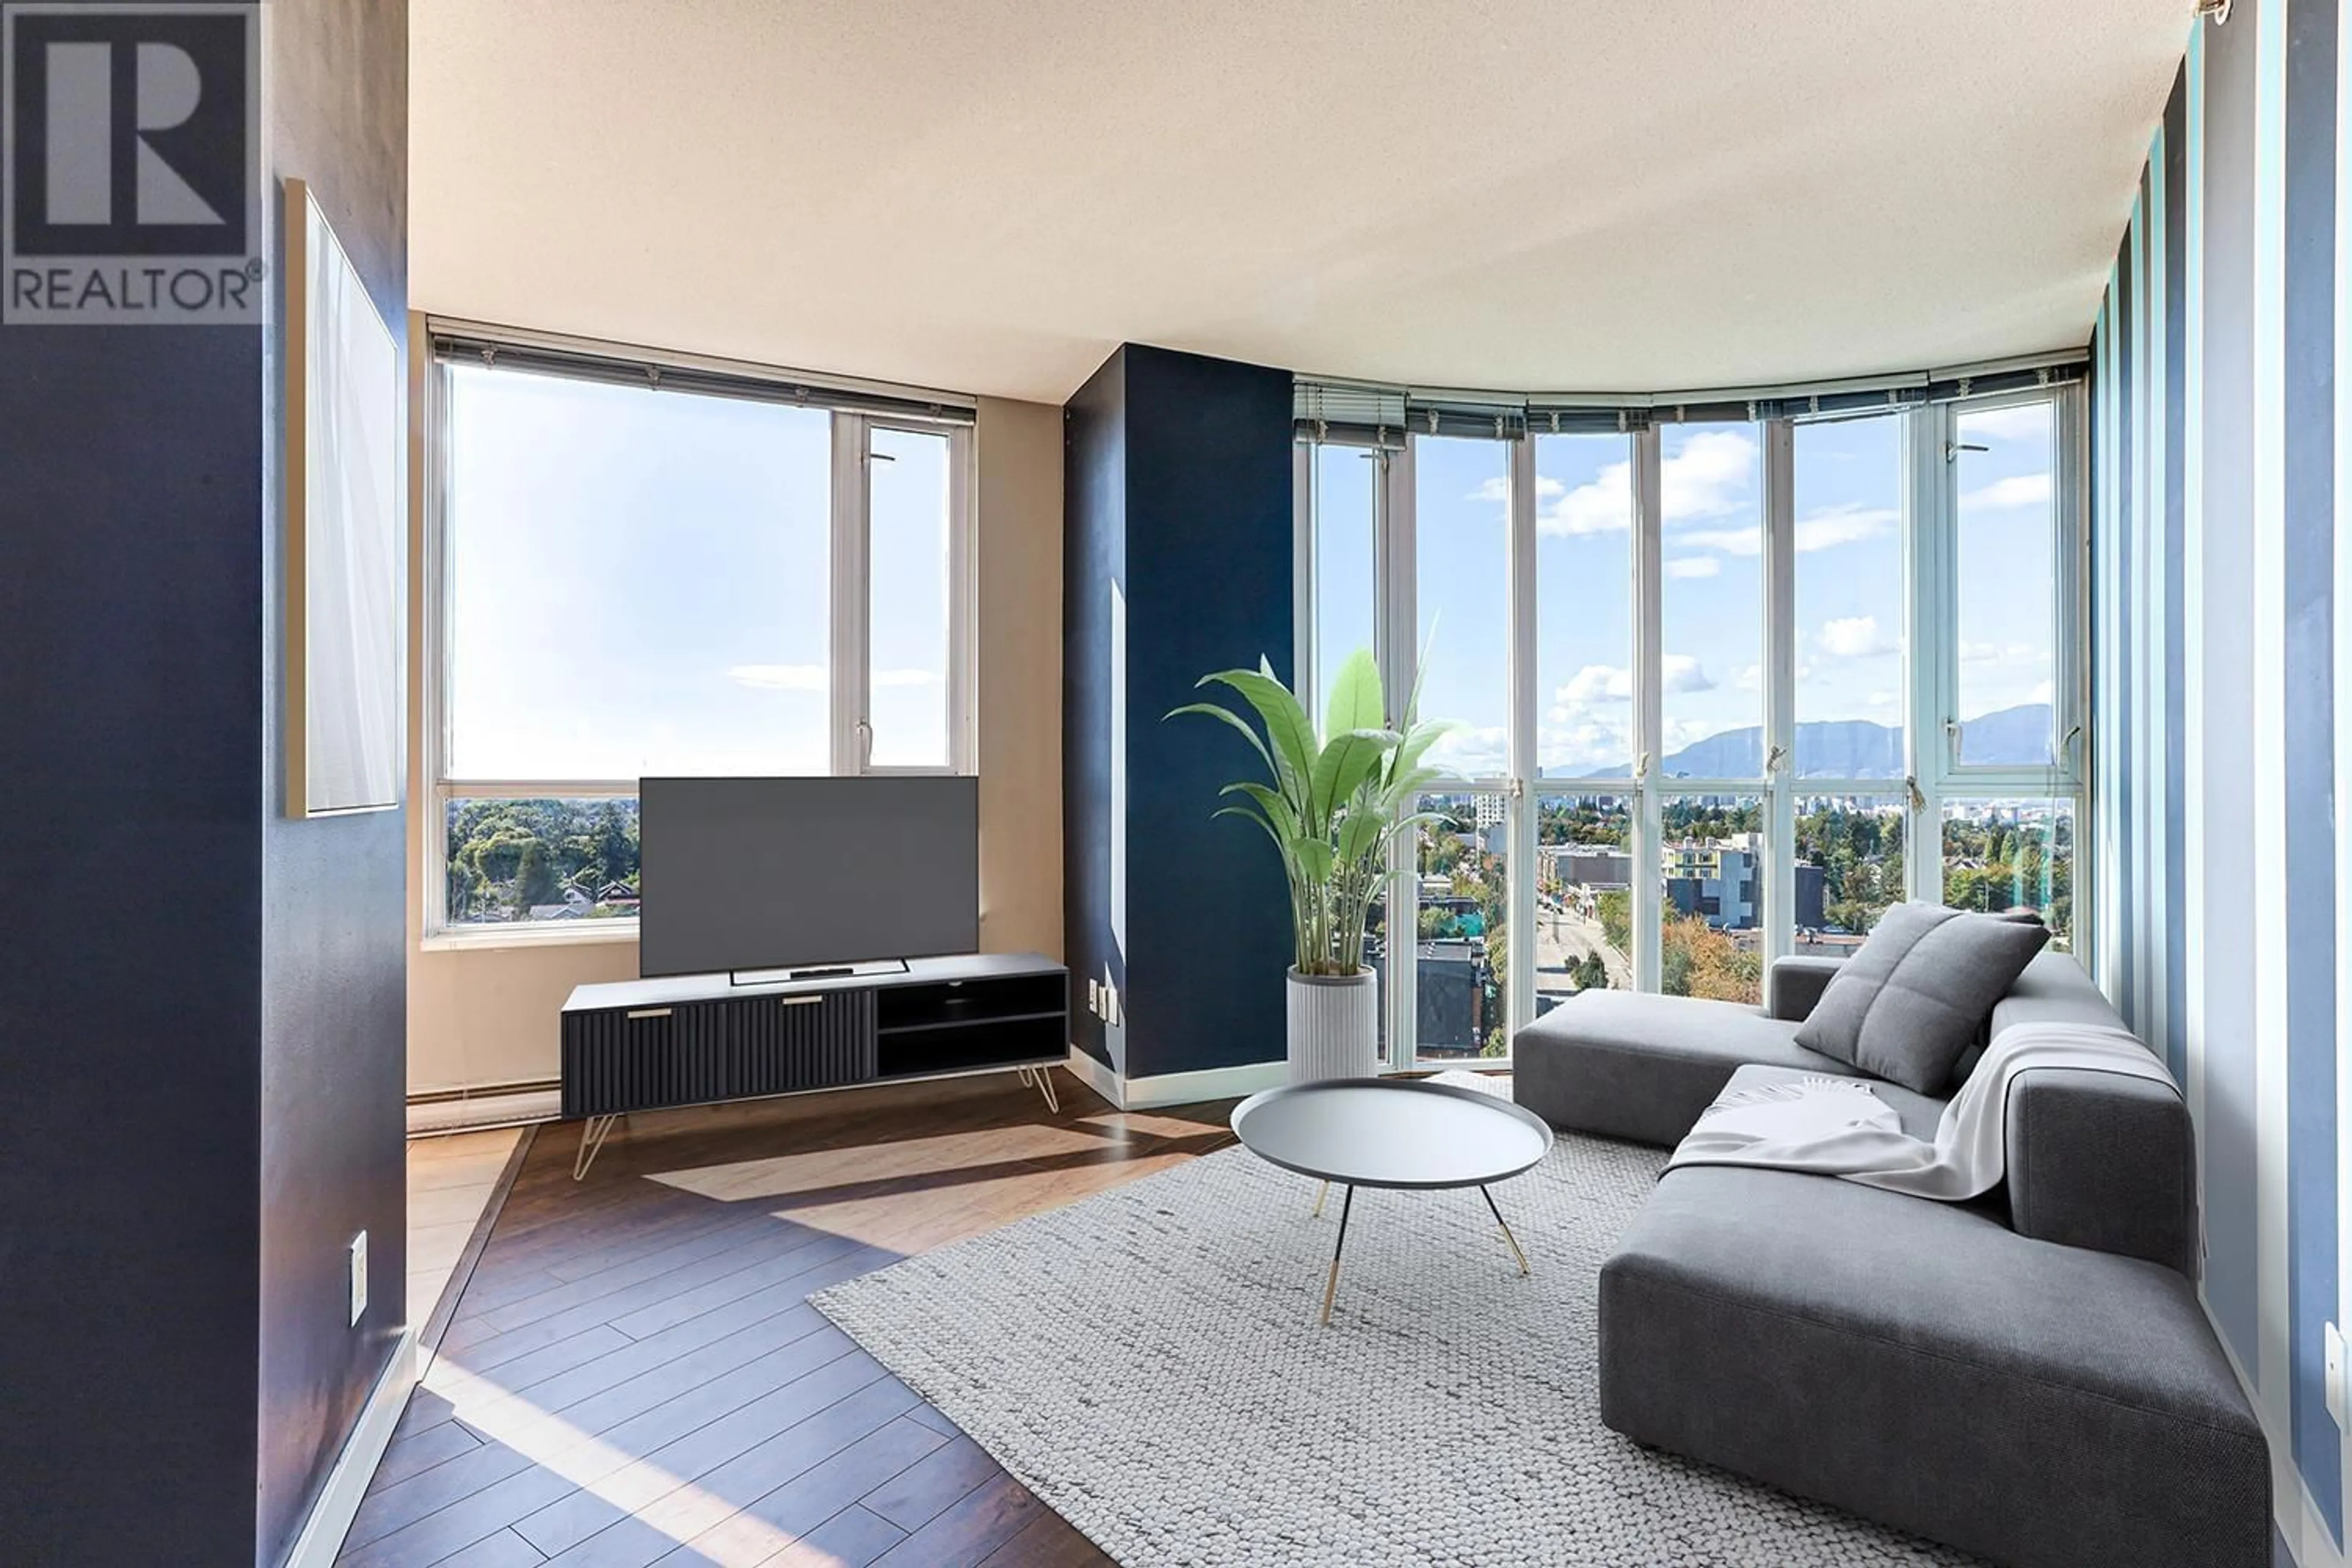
633,1374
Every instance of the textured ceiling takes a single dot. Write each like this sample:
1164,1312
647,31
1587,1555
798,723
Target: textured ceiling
988,196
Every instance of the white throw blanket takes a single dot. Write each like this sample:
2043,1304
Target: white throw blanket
1837,1127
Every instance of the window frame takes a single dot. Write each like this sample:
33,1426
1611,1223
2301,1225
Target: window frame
1929,533
849,652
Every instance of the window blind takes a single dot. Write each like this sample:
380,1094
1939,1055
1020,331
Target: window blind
1368,413
622,367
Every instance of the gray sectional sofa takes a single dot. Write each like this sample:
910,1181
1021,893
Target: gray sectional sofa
2028,1377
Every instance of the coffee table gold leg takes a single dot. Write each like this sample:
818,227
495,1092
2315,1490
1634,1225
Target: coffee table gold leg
1331,1287
1320,1193
1507,1228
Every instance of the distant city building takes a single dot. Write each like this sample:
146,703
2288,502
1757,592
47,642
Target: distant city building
1717,880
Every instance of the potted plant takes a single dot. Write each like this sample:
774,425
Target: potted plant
1333,804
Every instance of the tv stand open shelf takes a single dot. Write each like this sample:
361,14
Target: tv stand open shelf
649,1045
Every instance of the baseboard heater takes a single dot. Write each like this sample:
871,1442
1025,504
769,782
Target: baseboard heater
492,1105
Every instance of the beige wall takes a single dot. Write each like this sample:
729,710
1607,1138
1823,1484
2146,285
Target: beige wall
482,1017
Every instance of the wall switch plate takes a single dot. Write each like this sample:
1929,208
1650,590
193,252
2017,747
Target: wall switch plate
2336,1373
359,1277
1110,1004
1094,998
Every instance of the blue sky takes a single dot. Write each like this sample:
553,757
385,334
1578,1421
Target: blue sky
1849,579
638,583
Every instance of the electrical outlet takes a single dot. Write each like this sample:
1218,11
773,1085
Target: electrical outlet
2334,1342
359,1277
1094,998
1110,1004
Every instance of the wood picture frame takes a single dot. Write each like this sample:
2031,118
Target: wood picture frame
346,543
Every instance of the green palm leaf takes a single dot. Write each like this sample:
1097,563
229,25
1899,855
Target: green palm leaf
1355,697
1291,734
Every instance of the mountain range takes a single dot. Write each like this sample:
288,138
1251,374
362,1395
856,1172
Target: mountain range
1853,749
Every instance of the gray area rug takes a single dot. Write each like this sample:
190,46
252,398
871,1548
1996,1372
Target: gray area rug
1147,1363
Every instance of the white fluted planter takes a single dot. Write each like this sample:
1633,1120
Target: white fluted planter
1334,1025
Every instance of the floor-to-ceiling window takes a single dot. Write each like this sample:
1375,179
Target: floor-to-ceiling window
1583,787
1850,805
1724,688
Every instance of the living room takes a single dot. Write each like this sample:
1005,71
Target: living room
835,766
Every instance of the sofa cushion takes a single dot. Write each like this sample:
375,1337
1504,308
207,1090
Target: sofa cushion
1924,1365
1915,994
1625,1064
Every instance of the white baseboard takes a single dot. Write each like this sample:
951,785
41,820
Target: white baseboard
339,1500
1176,1088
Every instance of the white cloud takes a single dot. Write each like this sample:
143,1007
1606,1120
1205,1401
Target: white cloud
1498,489
1597,683
1750,678
1882,699
1471,752
1842,525
1694,566
1854,636
1996,653
2019,422
905,677
1601,504
1713,474
779,677
2042,692
2017,491
1681,672
1731,541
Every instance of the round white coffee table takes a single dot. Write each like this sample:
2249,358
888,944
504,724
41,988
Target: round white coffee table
1393,1132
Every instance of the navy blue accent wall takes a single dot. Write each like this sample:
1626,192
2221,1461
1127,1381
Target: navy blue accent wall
130,1008
333,1040
201,1032
2309,412
1178,497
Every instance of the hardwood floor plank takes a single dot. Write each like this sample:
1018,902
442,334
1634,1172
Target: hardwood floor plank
850,1538
930,1417
537,1366
421,1451
1049,1541
593,1301
651,1531
463,1524
665,1466
924,1490
504,1549
766,1526
387,1512
970,1532
632,1371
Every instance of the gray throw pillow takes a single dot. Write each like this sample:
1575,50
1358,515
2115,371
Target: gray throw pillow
1916,994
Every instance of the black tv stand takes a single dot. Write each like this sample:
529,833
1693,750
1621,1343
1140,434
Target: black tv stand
878,970
649,1045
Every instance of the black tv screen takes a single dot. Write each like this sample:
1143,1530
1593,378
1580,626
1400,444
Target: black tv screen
785,873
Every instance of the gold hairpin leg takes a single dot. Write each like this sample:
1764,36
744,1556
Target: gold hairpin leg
1042,1080
1507,1228
1331,1287
592,1134
1321,1193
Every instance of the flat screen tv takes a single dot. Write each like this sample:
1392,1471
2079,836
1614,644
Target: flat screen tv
738,874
